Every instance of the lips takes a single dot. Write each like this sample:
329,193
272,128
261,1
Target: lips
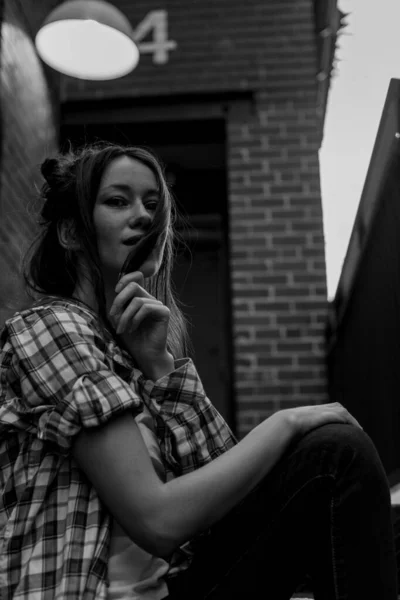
132,240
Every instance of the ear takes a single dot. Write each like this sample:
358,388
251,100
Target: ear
67,235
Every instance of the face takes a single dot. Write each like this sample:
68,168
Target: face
123,213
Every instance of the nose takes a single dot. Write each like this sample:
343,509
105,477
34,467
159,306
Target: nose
139,217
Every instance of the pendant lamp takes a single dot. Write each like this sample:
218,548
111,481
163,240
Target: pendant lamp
88,39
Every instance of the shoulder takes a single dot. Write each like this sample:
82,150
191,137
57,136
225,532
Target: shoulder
54,316
50,307
58,373
51,326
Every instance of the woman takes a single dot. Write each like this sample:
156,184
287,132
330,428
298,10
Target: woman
118,478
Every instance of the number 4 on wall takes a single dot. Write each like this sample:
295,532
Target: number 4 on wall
155,22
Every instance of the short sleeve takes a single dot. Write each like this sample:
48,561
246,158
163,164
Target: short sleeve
59,379
190,429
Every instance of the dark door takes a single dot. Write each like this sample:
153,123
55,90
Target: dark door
200,279
194,155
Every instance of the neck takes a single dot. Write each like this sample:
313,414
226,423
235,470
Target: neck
85,292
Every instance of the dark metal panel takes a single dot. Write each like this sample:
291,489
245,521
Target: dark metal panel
385,148
364,341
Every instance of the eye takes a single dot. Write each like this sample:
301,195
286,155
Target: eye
152,203
116,201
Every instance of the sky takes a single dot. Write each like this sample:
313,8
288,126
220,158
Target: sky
369,56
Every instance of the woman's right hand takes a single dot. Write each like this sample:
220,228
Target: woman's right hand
303,419
142,322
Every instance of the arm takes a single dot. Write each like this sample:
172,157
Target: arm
158,516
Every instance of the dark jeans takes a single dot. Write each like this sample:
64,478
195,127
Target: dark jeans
323,511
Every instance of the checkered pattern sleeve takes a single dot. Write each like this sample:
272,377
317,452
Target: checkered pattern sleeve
190,429
65,379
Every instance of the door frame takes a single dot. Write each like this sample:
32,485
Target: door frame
182,108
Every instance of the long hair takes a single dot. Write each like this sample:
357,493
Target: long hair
72,181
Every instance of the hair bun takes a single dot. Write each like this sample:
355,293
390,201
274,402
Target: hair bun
48,169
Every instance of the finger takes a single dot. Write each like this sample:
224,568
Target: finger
347,416
339,413
352,420
131,290
159,312
331,416
136,276
125,320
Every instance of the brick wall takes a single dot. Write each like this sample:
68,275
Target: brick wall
28,115
277,259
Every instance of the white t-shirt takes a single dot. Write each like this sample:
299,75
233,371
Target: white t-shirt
133,573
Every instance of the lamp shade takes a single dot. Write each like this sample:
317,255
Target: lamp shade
88,39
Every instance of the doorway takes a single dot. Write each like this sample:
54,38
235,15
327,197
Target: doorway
194,154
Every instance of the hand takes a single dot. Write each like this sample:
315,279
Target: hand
305,418
142,323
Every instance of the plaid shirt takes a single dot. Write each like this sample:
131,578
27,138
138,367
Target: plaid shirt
59,373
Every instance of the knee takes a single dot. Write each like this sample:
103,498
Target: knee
353,448
342,437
